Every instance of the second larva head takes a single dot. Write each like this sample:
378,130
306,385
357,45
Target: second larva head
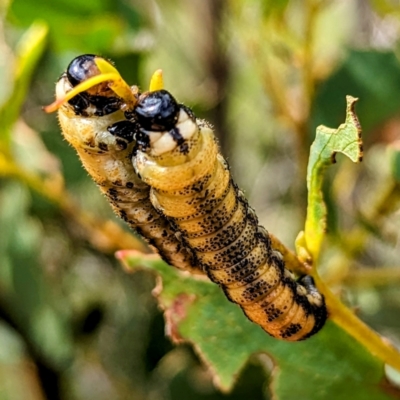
164,124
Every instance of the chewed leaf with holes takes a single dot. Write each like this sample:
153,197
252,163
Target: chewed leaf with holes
196,311
347,140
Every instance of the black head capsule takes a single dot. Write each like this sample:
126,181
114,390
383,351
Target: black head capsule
82,68
124,130
157,111
99,100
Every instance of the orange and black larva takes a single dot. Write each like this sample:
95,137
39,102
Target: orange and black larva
95,125
177,156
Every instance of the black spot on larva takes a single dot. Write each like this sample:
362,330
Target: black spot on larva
129,185
129,115
121,144
176,135
150,217
90,143
80,103
139,231
85,105
103,146
123,215
124,130
184,148
105,105
291,330
113,193
142,141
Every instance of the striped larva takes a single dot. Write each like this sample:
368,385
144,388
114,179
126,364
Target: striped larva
177,156
93,121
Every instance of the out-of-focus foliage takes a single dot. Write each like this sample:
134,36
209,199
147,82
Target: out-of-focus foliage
73,325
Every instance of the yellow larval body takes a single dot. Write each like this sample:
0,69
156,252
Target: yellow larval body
192,186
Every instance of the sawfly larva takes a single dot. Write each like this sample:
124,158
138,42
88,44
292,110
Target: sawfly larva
178,157
92,120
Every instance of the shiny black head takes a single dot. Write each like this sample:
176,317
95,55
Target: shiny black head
82,68
100,99
157,111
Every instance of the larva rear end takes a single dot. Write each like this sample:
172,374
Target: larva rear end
177,155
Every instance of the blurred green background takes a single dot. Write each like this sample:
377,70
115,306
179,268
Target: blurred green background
73,325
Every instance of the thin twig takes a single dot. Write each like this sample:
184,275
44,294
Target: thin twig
345,318
107,236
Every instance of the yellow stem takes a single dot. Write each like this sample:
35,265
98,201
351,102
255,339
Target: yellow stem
345,318
292,262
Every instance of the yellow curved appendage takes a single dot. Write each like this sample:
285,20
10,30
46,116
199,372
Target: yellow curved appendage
107,73
156,81
118,85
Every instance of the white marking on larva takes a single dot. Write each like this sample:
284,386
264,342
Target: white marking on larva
279,255
301,290
315,298
154,136
187,128
163,145
183,116
62,87
163,142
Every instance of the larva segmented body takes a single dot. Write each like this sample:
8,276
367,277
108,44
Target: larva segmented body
93,123
191,185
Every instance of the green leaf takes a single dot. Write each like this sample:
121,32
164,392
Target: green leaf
330,365
347,140
394,154
28,53
80,27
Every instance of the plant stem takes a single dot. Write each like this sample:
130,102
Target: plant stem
107,236
292,262
345,318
